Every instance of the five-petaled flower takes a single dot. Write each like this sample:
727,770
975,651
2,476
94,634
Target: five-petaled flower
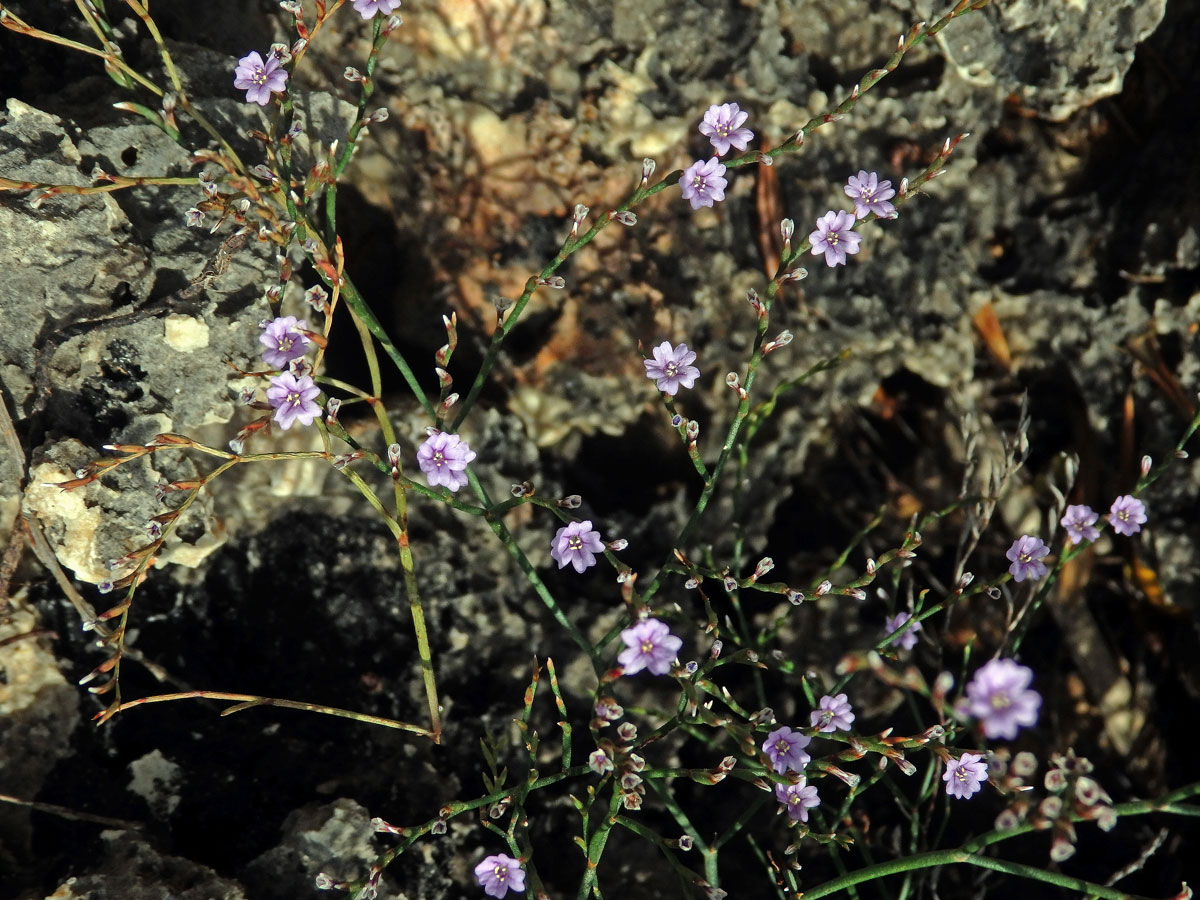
294,399
965,776
722,126
1000,697
368,8
703,182
576,544
500,874
1026,555
649,645
798,798
785,749
1127,515
284,340
870,195
835,237
672,367
259,79
833,714
444,458
908,639
1080,522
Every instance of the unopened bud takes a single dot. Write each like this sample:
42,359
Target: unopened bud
352,74
786,229
692,583
323,882
393,452
618,545
554,281
693,429
648,166
797,274
765,565
717,647
823,588
1147,462
965,579
733,380
237,446
571,501
728,763
625,217
393,23
870,567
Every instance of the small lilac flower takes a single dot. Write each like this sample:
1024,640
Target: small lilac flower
500,874
1080,522
835,237
600,762
293,399
722,126
368,8
650,646
284,341
870,195
833,714
576,544
1026,555
1127,515
259,79
672,367
785,749
798,798
1000,697
965,776
444,458
908,640
703,182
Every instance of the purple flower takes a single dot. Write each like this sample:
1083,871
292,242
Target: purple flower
785,749
1127,515
703,182
1026,555
259,79
444,458
798,798
722,126
965,776
650,646
576,544
999,696
1080,522
870,195
908,640
284,341
672,368
368,8
834,237
500,874
833,714
293,399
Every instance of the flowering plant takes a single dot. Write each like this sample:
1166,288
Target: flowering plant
683,655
